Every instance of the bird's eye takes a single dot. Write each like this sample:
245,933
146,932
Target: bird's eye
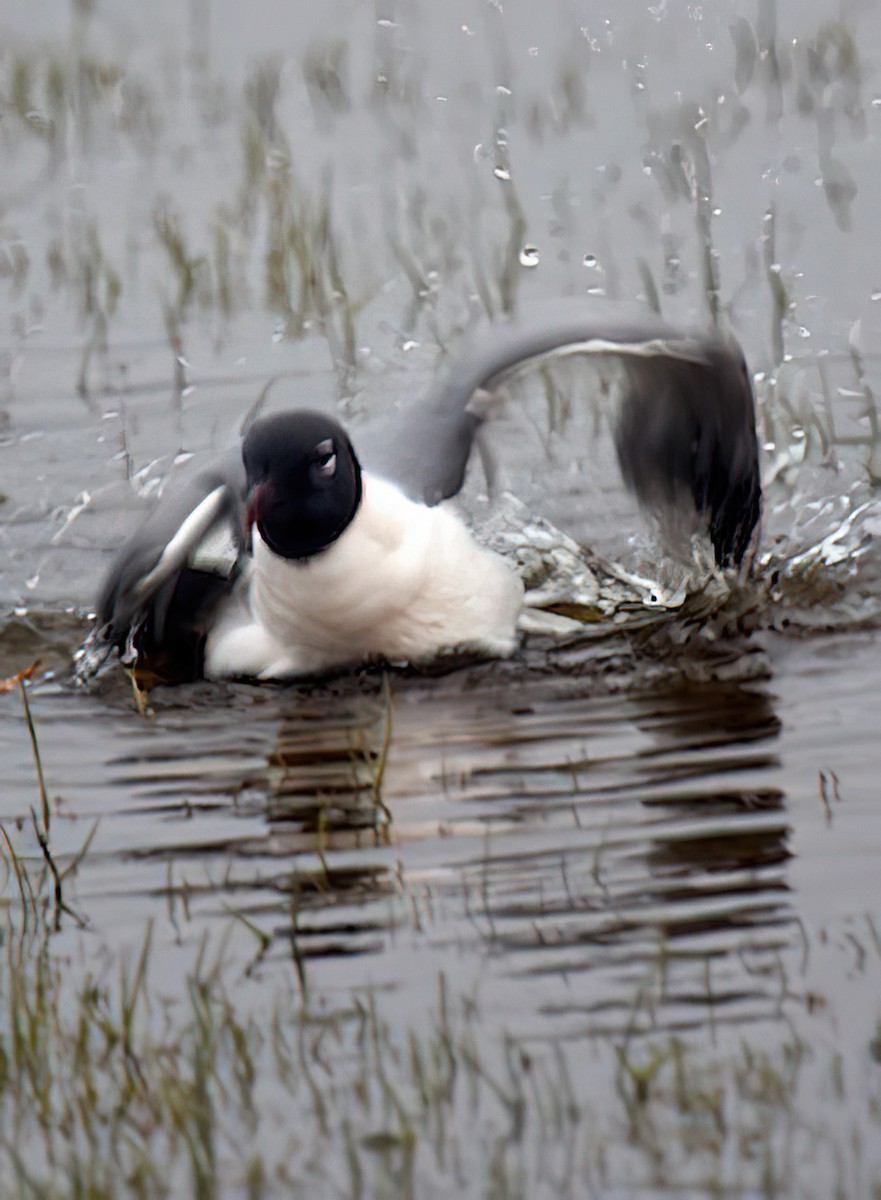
325,458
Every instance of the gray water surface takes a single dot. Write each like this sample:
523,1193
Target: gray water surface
667,825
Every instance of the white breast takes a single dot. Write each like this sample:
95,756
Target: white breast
402,582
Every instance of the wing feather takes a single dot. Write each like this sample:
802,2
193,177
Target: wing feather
159,578
685,424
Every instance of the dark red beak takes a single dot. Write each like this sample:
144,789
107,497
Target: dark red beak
259,502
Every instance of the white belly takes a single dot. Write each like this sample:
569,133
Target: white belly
402,582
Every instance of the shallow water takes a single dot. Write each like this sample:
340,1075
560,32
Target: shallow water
665,825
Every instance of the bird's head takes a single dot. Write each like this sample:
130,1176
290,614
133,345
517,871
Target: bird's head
303,480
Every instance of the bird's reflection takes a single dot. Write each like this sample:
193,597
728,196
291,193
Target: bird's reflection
562,833
614,828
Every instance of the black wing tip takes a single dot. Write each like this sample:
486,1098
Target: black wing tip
144,611
732,524
166,636
688,428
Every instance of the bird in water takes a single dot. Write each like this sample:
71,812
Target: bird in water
337,556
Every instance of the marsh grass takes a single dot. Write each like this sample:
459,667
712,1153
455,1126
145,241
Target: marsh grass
111,1086
240,1079
31,896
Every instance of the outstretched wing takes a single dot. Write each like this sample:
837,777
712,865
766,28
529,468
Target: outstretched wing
685,424
165,582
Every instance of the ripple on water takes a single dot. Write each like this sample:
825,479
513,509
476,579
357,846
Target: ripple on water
615,849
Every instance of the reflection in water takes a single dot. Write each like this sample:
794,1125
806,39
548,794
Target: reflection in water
323,802
602,849
668,857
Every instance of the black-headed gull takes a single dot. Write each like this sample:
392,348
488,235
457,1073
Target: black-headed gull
329,565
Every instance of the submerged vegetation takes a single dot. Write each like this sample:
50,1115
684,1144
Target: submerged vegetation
289,225
128,1084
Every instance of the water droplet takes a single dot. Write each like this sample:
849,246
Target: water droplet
385,23
533,51
590,260
501,90
803,331
717,212
501,173
529,256
876,295
876,102
467,31
410,344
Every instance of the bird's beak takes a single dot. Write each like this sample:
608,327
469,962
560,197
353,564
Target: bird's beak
258,500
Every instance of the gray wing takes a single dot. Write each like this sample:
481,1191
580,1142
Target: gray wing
166,575
686,422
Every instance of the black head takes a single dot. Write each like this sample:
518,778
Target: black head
304,481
